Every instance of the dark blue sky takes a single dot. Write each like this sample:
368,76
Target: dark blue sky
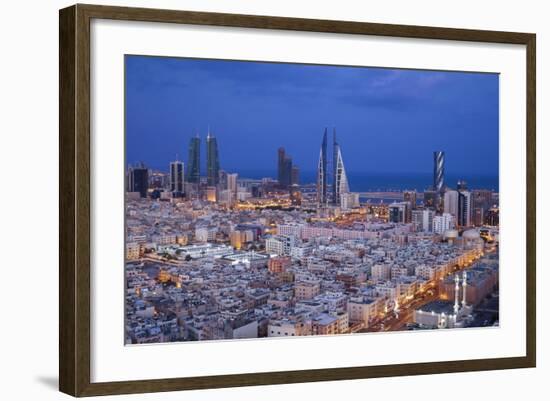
387,120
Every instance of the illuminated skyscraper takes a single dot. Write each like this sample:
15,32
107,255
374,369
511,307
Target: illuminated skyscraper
340,180
176,177
194,160
212,160
439,179
464,218
439,171
322,173
340,183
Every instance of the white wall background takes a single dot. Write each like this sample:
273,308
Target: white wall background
28,199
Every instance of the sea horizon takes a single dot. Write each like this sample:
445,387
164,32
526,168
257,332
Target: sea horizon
381,182
390,182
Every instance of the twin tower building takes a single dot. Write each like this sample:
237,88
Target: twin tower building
332,181
193,173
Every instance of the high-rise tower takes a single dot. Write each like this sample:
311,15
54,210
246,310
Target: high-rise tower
284,169
464,218
439,171
340,180
194,160
212,160
138,179
439,179
322,173
176,176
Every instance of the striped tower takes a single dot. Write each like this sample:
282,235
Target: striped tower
439,179
439,171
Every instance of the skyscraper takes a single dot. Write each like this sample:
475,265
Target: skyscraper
138,179
464,208
439,171
284,168
340,180
450,203
439,179
322,173
176,177
194,160
212,160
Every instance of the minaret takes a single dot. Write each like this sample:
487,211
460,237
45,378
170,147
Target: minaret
464,287
457,289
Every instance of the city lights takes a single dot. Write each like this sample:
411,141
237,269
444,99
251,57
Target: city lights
224,257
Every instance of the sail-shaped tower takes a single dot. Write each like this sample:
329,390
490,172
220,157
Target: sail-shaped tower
340,183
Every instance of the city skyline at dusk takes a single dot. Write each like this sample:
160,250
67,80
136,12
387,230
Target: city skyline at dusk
402,113
285,200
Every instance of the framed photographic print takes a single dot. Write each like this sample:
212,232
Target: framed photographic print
250,200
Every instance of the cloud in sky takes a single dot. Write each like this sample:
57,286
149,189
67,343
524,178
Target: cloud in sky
388,120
